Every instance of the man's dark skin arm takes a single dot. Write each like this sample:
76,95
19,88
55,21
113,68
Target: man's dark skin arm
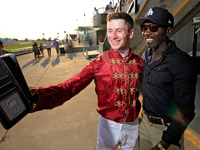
164,145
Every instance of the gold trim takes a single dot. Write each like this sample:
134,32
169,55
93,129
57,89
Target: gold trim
120,104
133,75
120,91
112,61
120,76
115,61
133,103
123,91
118,61
133,90
132,62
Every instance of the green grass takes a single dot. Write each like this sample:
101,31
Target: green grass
16,47
13,48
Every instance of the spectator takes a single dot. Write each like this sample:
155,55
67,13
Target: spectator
56,45
36,50
90,43
95,11
106,9
48,45
41,49
115,7
110,9
70,45
79,40
101,38
2,51
66,45
117,74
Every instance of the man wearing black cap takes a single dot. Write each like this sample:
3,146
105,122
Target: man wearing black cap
169,81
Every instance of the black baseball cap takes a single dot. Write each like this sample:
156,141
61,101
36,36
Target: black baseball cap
158,15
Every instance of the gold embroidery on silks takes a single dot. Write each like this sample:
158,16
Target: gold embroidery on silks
132,62
133,90
120,91
121,75
133,103
123,91
118,61
113,61
120,104
133,75
116,76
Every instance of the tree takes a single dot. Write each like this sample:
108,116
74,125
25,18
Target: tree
26,39
15,39
43,39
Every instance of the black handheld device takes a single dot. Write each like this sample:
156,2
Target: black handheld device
15,97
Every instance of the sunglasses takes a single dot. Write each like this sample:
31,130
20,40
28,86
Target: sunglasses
152,27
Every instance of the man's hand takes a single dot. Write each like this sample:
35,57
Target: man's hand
163,144
155,148
35,96
33,91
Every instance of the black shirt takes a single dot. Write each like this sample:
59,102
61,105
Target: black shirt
169,90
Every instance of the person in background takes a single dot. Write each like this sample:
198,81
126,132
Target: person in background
117,74
36,50
169,83
90,43
101,38
95,11
66,46
106,9
79,40
41,49
115,7
56,45
110,9
48,45
2,51
70,45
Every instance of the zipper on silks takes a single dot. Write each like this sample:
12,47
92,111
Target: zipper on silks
127,89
